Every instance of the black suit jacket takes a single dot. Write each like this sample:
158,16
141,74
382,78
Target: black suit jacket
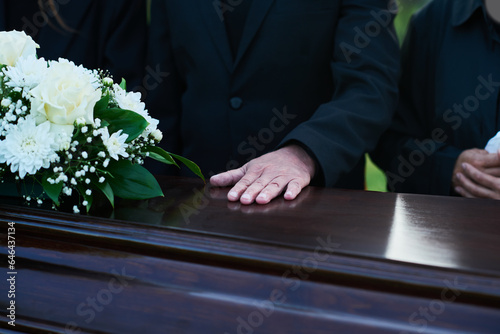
302,74
109,34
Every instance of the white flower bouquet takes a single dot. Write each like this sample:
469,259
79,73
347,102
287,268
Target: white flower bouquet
73,131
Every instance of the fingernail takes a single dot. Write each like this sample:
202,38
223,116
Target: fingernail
262,197
464,165
233,195
288,194
246,198
459,176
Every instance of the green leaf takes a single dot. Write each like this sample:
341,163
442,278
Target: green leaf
52,190
104,123
189,164
160,155
106,190
130,122
131,181
123,84
89,200
102,103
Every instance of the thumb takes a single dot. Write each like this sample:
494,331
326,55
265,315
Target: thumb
228,178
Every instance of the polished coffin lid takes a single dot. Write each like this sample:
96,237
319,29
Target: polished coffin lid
194,262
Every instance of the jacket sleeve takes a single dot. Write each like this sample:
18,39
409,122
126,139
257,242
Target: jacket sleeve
364,67
413,152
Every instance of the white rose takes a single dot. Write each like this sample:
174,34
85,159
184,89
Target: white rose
15,45
65,94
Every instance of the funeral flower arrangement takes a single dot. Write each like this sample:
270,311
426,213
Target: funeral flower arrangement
72,132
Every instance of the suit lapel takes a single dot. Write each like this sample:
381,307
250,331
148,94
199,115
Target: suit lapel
256,16
213,19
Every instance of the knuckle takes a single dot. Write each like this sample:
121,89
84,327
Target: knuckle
294,184
245,182
274,184
259,183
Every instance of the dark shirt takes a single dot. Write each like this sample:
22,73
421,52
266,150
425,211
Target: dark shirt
449,94
234,19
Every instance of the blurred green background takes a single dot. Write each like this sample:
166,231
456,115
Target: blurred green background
375,178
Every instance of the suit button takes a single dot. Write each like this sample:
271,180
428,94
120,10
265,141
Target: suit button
236,103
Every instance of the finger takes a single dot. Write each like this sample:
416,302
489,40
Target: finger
489,160
493,171
473,189
228,178
293,190
239,189
304,194
461,191
479,177
255,189
271,190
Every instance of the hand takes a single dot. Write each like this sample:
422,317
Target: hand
477,174
264,178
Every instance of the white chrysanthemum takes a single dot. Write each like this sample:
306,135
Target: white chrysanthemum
27,147
115,144
132,101
129,100
28,72
151,128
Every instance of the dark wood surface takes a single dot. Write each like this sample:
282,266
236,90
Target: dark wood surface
333,261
